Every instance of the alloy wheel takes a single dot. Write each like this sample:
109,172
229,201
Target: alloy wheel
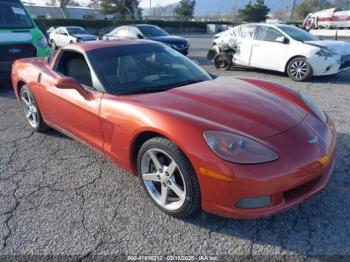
163,179
30,109
299,69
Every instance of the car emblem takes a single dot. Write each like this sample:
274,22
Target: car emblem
15,50
314,140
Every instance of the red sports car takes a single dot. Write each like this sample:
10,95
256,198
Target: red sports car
235,147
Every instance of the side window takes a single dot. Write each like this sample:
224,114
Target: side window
132,32
73,64
122,32
64,31
269,34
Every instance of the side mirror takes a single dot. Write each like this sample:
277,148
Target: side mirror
139,36
282,40
71,83
65,34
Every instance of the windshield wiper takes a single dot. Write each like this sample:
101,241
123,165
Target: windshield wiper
160,88
144,91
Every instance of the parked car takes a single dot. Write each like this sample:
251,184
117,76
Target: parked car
151,32
63,36
19,36
239,148
281,48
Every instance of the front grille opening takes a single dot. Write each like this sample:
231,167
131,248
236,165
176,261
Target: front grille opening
301,190
12,52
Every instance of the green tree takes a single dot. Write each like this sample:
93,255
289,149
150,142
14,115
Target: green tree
185,9
256,12
310,6
123,7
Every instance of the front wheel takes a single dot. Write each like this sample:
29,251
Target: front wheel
223,61
299,69
168,177
31,110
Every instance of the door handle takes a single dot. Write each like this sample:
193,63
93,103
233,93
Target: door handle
256,45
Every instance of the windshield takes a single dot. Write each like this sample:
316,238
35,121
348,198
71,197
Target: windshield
152,31
144,68
77,31
298,34
13,16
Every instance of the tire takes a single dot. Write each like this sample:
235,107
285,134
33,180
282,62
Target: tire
223,61
31,110
299,69
53,45
179,176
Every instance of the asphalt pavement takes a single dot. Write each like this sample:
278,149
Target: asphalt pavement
59,198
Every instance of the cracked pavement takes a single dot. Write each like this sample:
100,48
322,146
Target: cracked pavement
58,197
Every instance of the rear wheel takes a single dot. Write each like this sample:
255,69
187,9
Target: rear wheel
223,61
168,177
299,69
31,110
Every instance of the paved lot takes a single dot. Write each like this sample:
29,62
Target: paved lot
58,197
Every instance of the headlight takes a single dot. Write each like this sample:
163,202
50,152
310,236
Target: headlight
42,42
238,149
314,107
325,52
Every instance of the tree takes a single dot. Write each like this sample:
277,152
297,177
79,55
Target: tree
162,11
254,12
310,6
123,7
185,9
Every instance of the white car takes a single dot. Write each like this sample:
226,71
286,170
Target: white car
63,36
282,48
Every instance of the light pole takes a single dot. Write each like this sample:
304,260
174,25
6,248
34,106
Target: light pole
293,8
150,8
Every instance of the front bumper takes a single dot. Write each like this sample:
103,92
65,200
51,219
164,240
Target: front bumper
183,51
6,66
5,70
300,172
323,66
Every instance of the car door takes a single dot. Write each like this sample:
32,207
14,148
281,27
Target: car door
245,38
54,35
65,38
58,36
269,49
68,110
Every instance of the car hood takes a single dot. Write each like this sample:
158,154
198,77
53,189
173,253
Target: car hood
169,39
340,47
229,104
85,36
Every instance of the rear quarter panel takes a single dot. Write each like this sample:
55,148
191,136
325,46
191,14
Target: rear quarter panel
27,72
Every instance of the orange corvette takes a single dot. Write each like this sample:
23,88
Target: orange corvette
239,148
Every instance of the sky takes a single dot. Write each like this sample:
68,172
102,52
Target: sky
143,3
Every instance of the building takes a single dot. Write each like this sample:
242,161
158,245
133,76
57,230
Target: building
52,12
